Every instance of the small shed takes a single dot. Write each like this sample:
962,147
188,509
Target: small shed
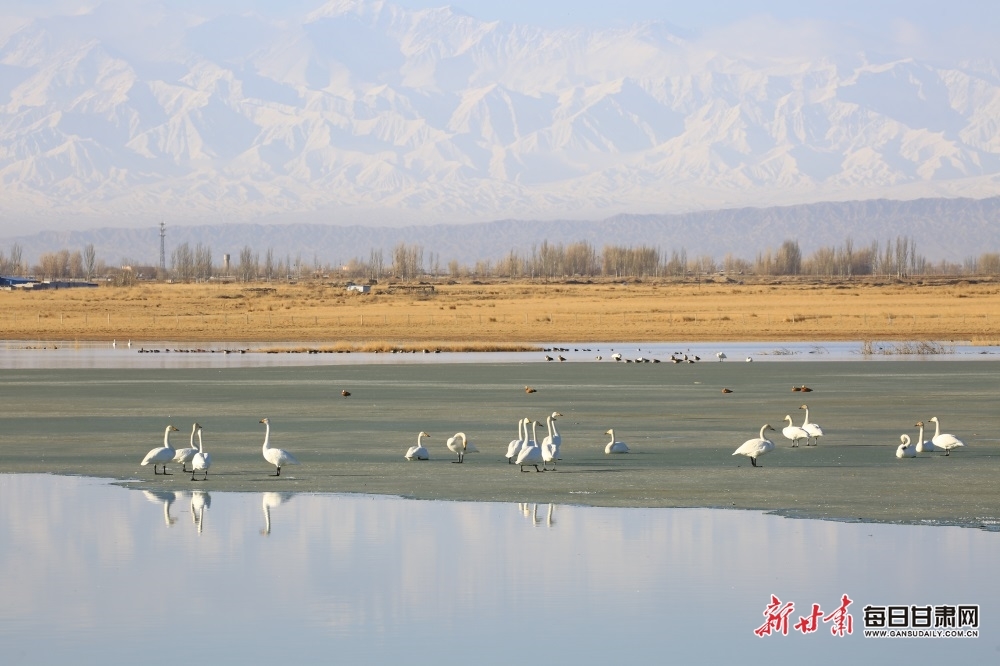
360,288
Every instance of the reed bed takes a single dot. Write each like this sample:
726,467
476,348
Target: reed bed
509,313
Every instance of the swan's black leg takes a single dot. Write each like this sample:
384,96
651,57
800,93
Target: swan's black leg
278,473
753,461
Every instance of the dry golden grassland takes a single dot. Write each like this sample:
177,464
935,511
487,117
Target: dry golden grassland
504,315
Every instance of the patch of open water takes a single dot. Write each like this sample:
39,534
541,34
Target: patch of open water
97,573
22,354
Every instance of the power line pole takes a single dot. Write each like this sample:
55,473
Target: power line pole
163,248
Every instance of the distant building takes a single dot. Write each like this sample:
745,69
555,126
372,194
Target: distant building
360,288
7,281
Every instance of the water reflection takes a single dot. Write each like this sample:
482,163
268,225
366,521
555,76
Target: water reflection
351,575
269,501
166,498
530,511
200,500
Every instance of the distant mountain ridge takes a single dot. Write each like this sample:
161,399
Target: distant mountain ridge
951,229
362,112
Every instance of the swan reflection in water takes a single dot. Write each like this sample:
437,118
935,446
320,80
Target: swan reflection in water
269,501
530,510
200,500
166,498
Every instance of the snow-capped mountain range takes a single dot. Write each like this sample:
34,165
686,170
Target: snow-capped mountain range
361,112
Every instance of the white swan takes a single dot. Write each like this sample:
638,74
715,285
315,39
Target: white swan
924,446
418,452
184,456
516,445
906,450
812,428
946,441
615,446
201,460
161,455
460,447
552,442
721,356
756,447
531,453
277,457
793,432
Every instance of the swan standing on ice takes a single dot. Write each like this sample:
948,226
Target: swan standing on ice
277,457
615,446
812,428
906,450
945,442
418,452
161,455
531,453
794,433
924,446
721,356
516,445
184,456
756,447
552,441
201,460
460,447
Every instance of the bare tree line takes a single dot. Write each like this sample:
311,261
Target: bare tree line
895,258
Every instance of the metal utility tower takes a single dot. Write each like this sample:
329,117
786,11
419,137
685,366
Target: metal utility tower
163,248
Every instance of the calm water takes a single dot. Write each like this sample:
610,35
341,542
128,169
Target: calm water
95,573
166,354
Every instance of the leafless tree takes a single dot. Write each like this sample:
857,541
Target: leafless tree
89,261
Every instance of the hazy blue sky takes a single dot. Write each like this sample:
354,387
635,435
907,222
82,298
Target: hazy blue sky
921,28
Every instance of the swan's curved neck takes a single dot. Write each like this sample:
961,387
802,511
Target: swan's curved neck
267,435
534,437
937,428
166,437
419,437
201,449
522,429
762,429
612,433
805,420
555,431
